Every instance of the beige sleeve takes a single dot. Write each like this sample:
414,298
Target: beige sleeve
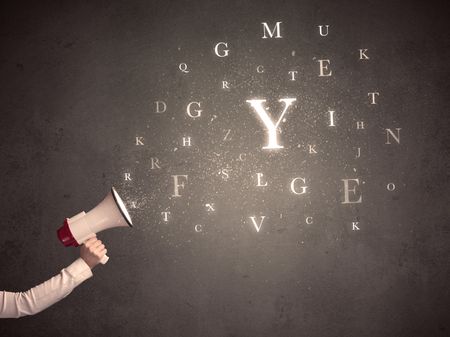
15,305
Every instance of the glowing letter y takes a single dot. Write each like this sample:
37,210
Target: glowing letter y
257,104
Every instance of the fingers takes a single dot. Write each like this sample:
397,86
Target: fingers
92,251
96,244
90,241
98,249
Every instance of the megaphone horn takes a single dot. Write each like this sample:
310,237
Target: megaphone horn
109,213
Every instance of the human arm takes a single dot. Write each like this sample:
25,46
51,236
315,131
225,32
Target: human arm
18,304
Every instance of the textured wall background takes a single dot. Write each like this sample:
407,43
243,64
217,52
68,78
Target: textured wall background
78,85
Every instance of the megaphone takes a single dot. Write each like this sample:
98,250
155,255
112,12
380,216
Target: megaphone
110,213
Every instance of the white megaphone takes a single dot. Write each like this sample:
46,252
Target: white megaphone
111,212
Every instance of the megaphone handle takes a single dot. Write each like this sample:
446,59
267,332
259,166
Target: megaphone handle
104,259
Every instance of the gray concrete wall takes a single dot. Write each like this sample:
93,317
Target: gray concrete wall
79,81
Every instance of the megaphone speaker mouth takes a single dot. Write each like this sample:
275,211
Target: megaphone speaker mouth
121,205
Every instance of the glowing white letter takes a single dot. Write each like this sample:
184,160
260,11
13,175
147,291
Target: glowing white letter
257,227
257,104
225,51
272,33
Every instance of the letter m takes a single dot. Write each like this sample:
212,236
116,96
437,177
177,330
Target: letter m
275,31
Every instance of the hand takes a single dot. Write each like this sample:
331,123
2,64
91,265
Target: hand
92,251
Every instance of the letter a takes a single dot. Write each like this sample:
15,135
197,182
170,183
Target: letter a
257,104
